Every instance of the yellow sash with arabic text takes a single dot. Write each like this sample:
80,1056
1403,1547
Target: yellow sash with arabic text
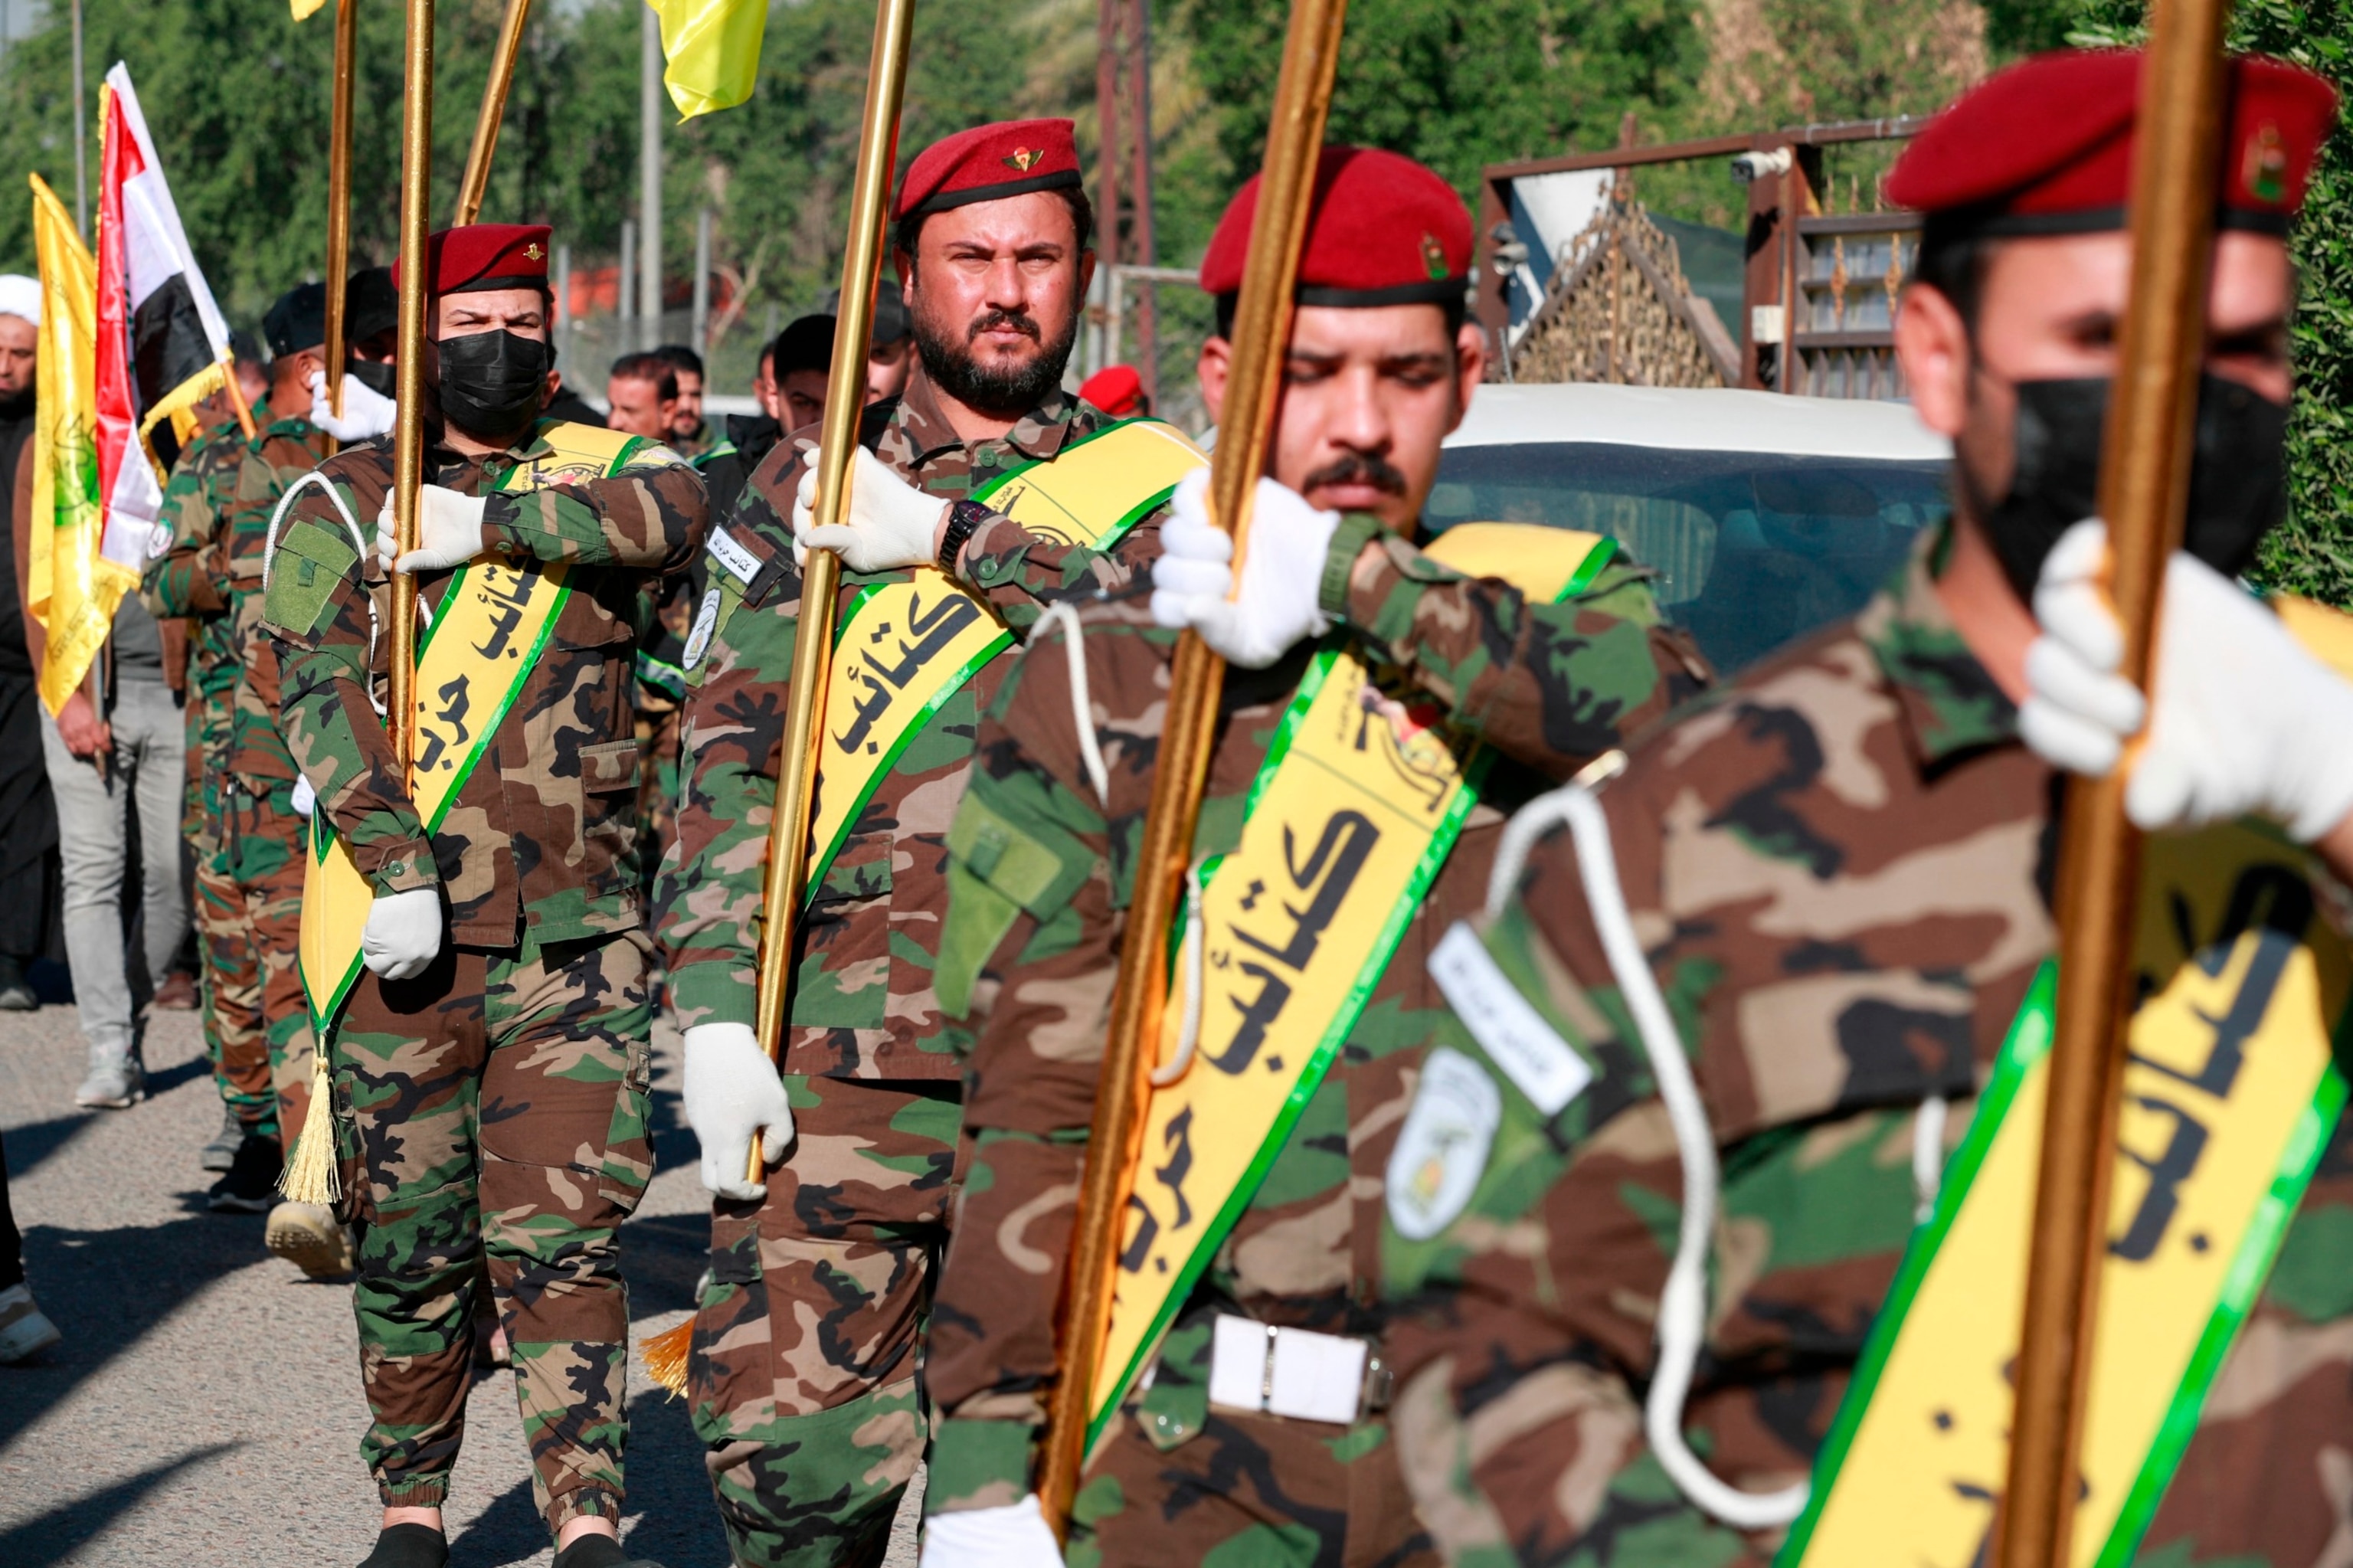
906,647
471,663
1355,810
2230,1096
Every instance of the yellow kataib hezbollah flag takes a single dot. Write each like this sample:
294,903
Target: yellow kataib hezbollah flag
70,589
714,50
305,9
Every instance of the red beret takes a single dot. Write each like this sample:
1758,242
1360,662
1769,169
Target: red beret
1381,230
1115,389
989,163
484,256
2045,147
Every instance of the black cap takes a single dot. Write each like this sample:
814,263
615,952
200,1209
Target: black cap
890,312
371,304
804,344
298,321
241,344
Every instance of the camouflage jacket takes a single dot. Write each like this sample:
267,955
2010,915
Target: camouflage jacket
212,570
540,845
1839,867
1549,685
863,1004
200,491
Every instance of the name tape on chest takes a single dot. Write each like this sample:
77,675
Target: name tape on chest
1514,1035
741,564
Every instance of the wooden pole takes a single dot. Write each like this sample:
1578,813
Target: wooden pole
1262,330
1107,118
2143,493
845,401
1143,247
408,439
339,196
493,111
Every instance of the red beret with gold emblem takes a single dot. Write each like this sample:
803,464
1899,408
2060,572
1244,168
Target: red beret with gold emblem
989,163
1381,230
2046,146
485,256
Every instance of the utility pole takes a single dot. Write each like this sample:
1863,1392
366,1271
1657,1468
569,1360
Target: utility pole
1141,249
81,135
625,293
1107,14
564,337
703,281
649,174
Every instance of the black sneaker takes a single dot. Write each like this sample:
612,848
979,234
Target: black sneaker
251,1186
600,1551
16,993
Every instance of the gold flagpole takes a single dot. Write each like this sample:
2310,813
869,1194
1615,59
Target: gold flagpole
408,440
495,110
339,197
1262,329
845,401
2144,494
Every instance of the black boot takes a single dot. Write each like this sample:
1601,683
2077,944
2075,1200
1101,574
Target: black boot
599,1552
15,990
409,1546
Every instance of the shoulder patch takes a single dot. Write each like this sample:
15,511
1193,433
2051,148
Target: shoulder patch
1441,1151
706,621
314,560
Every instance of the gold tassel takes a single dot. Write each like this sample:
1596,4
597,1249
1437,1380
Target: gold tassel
311,1176
666,1356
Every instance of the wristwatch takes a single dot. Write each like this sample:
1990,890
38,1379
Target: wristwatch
964,518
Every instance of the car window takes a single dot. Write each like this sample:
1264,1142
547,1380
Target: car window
1752,549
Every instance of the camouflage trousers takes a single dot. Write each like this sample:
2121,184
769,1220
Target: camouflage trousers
262,852
804,1376
1177,1481
498,1103
228,970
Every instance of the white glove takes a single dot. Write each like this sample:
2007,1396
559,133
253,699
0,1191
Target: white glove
366,412
304,796
1013,1536
2247,723
1282,573
888,522
403,933
733,1092
448,531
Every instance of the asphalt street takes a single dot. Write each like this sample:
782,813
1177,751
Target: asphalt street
205,1407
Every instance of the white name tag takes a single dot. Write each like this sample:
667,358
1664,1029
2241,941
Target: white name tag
1514,1035
733,557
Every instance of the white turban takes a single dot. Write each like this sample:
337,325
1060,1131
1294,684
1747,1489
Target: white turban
20,296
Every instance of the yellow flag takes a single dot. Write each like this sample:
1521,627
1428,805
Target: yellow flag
714,50
70,589
305,9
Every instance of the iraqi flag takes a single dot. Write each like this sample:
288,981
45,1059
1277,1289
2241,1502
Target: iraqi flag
162,345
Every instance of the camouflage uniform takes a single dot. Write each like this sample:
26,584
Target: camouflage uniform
803,1365
1176,1482
499,1098
1840,868
187,583
248,865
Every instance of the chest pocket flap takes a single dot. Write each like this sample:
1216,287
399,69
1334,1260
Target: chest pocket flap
997,868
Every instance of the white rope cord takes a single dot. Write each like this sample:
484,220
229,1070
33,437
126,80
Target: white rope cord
1682,1308
1188,1022
1083,715
1928,1155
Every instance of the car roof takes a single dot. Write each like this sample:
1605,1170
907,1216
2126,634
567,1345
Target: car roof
1695,419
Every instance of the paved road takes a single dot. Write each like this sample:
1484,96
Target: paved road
205,1408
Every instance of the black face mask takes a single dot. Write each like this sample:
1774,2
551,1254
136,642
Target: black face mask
491,382
2237,474
378,375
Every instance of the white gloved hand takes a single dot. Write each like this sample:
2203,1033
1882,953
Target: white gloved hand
2247,722
366,412
304,796
889,523
448,531
1282,573
1013,1536
403,933
733,1092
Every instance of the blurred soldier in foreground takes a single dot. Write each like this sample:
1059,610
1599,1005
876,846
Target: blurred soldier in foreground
1382,710
1651,1207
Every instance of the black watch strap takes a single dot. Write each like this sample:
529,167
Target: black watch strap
964,518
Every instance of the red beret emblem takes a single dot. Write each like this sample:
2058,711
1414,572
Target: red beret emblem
1023,158
2266,171
1433,258
533,251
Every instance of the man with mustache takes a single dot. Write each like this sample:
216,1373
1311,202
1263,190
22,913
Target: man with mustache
492,1055
1659,1242
1375,698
